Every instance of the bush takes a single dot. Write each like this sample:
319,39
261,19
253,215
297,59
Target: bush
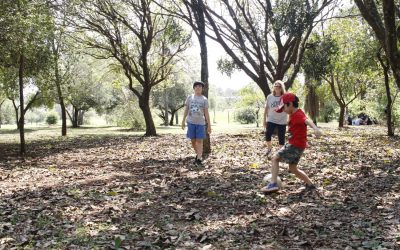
245,115
51,119
128,115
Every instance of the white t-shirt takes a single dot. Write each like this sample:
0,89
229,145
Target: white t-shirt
196,105
272,116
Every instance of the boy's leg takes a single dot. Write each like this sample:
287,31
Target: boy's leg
199,148
273,185
299,173
275,168
194,145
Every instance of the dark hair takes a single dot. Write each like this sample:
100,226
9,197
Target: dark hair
198,83
296,102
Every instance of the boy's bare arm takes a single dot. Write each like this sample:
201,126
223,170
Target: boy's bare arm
317,131
207,116
184,116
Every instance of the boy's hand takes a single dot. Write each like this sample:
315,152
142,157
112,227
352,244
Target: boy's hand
318,133
209,129
183,125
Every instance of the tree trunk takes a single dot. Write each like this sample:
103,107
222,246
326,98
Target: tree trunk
75,118
60,99
312,105
263,84
145,107
1,117
341,115
176,118
389,118
16,114
204,62
257,112
166,107
214,120
388,110
21,103
80,117
171,121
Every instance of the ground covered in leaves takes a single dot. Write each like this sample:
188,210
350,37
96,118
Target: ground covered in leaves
130,192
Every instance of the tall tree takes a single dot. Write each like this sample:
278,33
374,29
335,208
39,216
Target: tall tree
383,17
58,47
384,62
266,40
84,89
192,12
317,62
24,30
352,71
144,43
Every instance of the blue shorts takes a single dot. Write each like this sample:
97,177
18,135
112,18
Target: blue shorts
196,131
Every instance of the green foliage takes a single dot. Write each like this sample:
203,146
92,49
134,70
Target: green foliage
227,66
319,57
293,17
251,96
52,119
175,95
327,103
7,113
25,29
87,86
127,114
246,115
250,103
36,115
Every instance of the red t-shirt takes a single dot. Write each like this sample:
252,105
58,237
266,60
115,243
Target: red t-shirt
298,129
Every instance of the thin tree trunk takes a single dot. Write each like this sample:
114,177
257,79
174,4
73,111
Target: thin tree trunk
341,115
388,110
21,103
214,120
389,118
75,118
311,105
60,99
204,63
1,117
80,117
166,107
171,121
16,113
145,107
176,119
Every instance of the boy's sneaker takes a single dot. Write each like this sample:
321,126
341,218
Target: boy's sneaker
270,188
198,161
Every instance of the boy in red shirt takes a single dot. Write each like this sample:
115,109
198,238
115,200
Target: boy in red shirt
292,151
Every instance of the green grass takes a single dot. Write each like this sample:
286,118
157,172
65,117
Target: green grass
220,125
9,133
